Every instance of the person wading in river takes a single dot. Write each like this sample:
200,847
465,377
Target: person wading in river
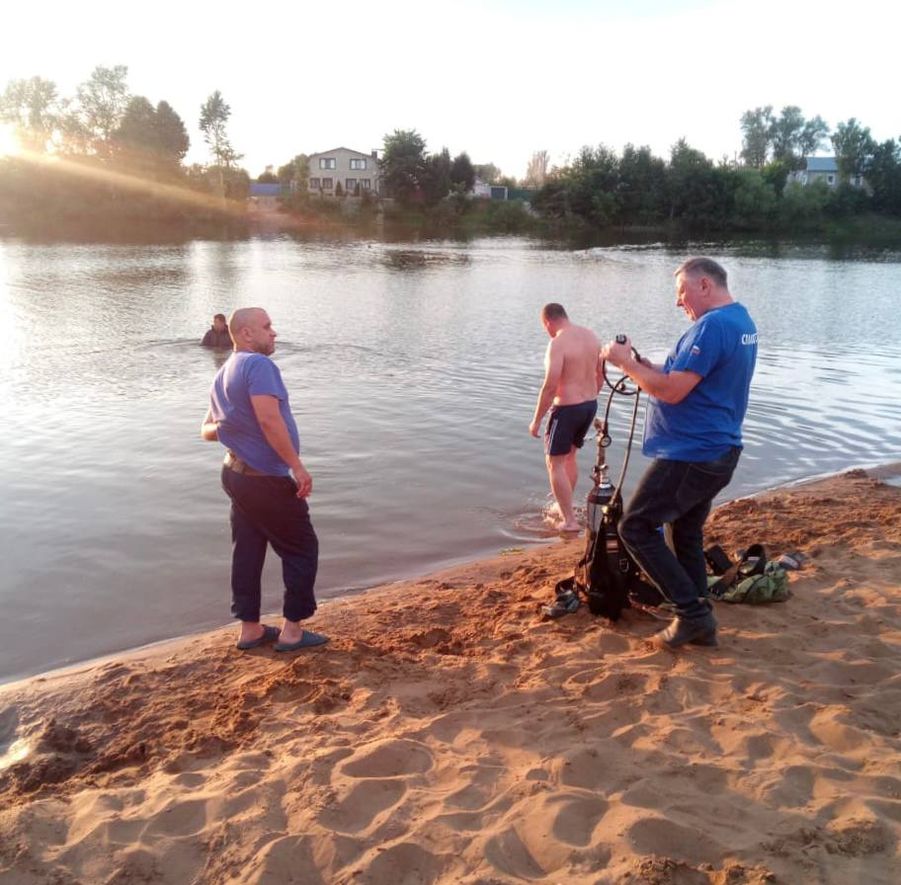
572,379
267,483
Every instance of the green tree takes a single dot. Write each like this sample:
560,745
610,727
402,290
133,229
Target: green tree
802,206
795,138
487,172
403,164
853,145
296,170
172,137
137,130
462,173
813,135
754,200
884,177
757,135
436,177
214,114
776,173
31,107
787,129
536,171
151,140
228,182
267,176
100,105
641,190
593,185
688,176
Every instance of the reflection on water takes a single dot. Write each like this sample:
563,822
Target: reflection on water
412,371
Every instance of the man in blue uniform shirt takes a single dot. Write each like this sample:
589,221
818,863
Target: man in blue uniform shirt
267,483
698,400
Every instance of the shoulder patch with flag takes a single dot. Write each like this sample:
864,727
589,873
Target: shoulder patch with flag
695,350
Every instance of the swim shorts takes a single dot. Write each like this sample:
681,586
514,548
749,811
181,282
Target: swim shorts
567,426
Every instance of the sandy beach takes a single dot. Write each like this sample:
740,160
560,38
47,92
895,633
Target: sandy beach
449,734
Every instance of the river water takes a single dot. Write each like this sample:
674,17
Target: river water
412,370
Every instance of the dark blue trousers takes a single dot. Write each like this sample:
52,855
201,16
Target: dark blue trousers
679,493
266,510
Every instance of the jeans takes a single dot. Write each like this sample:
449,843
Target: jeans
679,493
266,510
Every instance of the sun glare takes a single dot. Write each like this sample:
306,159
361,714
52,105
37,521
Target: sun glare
9,144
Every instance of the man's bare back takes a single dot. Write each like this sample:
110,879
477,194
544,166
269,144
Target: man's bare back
579,350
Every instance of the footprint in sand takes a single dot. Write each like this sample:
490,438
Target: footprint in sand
408,863
363,805
389,758
543,833
575,818
655,835
508,854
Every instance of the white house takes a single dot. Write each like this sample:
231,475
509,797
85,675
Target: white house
821,169
355,171
481,189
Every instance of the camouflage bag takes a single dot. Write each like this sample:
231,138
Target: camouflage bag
771,586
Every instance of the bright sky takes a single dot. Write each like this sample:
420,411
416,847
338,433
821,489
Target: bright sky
499,79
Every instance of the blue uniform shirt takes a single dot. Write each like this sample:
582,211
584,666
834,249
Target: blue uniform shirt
243,375
721,347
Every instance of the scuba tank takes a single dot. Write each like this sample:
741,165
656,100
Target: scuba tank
598,501
600,575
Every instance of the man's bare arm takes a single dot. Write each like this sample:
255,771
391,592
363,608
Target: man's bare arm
553,362
209,430
275,431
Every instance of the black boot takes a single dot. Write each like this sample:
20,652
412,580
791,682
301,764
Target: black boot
697,631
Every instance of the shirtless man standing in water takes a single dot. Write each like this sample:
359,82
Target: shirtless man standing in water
572,379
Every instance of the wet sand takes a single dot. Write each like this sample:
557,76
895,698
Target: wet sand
448,734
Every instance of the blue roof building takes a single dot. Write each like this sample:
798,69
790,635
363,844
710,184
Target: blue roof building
823,169
265,190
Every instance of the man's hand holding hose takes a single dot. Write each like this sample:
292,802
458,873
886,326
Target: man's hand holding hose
668,387
620,352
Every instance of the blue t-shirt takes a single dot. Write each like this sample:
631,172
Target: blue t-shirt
721,347
242,376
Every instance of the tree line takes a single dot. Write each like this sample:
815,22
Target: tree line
124,157
600,187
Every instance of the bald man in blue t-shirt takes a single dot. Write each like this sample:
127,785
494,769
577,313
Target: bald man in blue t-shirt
698,400
267,483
